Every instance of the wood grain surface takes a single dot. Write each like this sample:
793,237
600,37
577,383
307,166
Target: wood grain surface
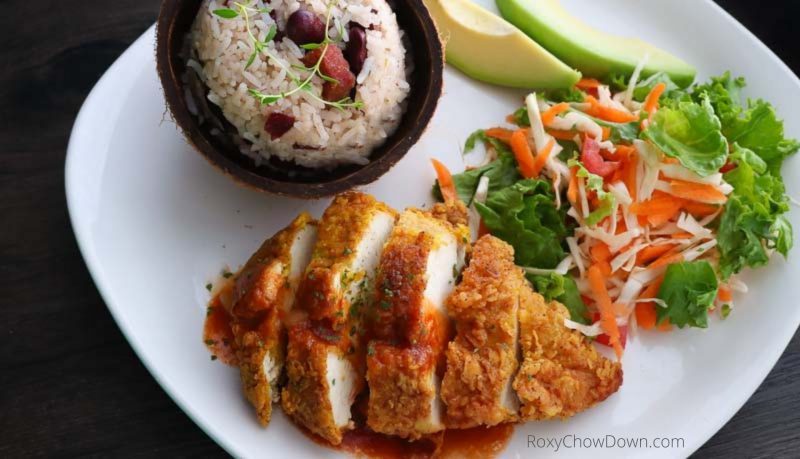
69,383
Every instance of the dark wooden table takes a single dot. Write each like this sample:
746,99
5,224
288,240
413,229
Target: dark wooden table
69,383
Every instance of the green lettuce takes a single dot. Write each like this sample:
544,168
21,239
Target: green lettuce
524,215
564,290
752,222
644,86
502,172
689,289
755,126
690,132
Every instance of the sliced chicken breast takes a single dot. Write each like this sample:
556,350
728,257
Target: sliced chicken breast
326,347
262,296
561,373
482,359
409,324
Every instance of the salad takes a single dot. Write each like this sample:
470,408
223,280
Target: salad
634,203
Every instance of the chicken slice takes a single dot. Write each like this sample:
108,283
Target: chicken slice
262,295
482,359
409,324
326,347
561,373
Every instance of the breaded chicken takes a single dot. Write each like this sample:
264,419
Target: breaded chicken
482,360
326,347
409,324
561,373
263,293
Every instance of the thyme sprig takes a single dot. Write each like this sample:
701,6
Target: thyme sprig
301,84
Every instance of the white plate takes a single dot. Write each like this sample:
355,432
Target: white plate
155,223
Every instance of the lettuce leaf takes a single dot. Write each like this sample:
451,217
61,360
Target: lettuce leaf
524,215
502,172
752,223
564,290
688,289
755,127
690,132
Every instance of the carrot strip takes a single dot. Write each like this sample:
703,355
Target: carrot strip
682,235
699,209
724,293
652,252
629,173
550,114
445,179
665,326
608,321
541,158
561,135
700,192
667,259
572,189
646,315
651,101
501,134
587,83
606,132
522,152
600,252
607,113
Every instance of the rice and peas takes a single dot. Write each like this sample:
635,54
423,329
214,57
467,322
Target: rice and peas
257,90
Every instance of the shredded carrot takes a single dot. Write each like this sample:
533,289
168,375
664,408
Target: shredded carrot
698,209
572,189
550,114
541,158
652,252
600,252
667,259
682,235
587,83
501,134
445,179
700,192
606,113
606,132
561,135
646,315
608,321
724,293
651,101
665,326
659,209
522,152
669,160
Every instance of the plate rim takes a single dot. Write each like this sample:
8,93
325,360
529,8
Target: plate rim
754,380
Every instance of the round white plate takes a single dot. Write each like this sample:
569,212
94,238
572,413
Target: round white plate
155,223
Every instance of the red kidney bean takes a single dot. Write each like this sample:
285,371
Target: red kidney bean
334,66
356,50
278,124
305,27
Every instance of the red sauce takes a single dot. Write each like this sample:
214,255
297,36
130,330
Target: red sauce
217,333
476,443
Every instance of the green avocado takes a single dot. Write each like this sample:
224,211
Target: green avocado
594,53
487,48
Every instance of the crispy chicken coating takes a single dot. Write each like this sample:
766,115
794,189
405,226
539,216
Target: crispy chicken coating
409,324
326,348
263,291
562,373
482,360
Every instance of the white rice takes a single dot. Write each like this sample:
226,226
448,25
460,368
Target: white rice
322,136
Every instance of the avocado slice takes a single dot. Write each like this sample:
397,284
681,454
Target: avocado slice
487,48
594,53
